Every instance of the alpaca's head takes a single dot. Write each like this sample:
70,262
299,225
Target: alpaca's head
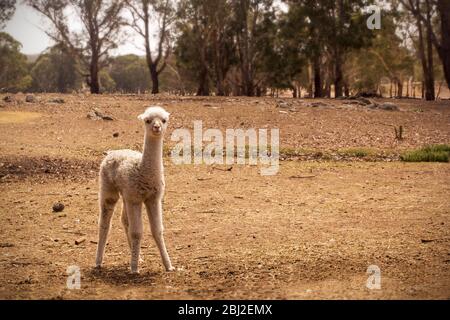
155,119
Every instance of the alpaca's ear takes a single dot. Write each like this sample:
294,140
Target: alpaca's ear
141,117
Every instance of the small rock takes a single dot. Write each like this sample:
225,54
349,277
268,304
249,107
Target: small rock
30,98
365,101
283,104
96,114
115,134
351,102
57,100
6,245
80,241
58,207
317,104
8,99
388,106
27,280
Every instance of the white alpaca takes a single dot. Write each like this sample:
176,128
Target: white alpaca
138,178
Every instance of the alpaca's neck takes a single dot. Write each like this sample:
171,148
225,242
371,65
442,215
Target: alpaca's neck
152,154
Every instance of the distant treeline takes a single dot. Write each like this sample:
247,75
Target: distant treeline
321,48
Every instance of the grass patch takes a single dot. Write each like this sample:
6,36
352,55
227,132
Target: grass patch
356,152
437,148
433,153
289,152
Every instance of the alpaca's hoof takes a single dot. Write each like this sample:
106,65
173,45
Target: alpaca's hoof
134,271
170,269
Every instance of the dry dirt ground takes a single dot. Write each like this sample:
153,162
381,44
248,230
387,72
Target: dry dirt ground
309,232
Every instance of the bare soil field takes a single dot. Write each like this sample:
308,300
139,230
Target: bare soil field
309,232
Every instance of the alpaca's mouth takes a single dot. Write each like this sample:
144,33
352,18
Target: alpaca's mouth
157,130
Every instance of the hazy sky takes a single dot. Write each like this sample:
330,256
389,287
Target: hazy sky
27,27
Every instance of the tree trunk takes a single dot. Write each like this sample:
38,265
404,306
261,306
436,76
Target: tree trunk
151,65
203,85
346,90
328,90
248,83
399,88
425,84
245,39
93,76
407,88
317,78
444,51
221,64
218,70
390,88
338,76
219,87
430,75
294,92
155,80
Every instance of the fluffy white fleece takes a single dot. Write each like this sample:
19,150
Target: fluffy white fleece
138,178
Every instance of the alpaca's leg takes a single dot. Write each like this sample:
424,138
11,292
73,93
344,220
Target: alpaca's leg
108,200
126,224
135,229
154,211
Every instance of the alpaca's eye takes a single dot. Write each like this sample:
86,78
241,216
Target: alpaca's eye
147,121
163,120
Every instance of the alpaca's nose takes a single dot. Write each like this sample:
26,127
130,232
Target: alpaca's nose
157,127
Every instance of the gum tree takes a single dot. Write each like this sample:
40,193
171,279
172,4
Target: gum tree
101,23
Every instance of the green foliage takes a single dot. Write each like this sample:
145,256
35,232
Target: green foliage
189,55
433,153
130,73
437,148
13,65
25,83
281,59
55,71
205,47
355,152
237,46
387,57
172,80
7,8
107,84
